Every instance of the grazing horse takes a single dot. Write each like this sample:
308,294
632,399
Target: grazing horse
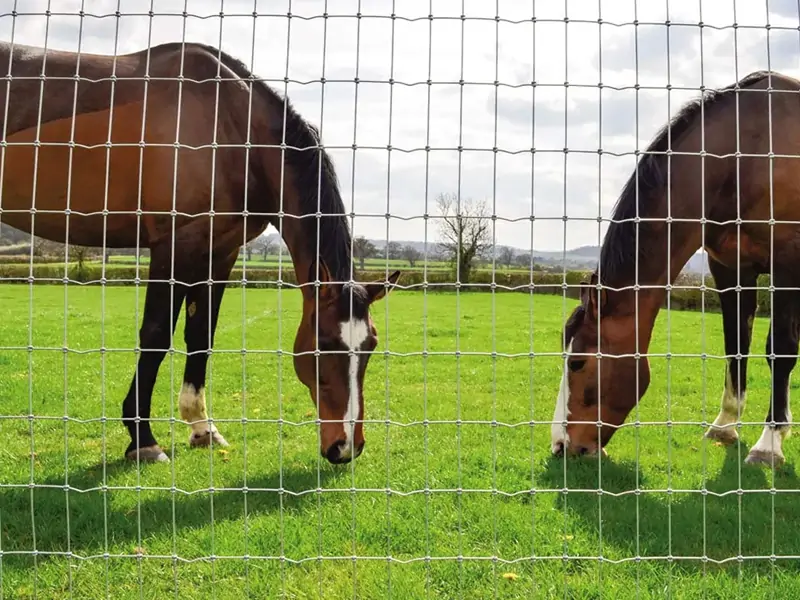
719,176
179,149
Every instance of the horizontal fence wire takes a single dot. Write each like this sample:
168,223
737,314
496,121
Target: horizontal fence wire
485,299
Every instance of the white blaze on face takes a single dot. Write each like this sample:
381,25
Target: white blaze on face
558,433
353,333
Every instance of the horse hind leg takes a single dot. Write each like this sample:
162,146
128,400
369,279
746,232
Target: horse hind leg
202,312
738,311
781,351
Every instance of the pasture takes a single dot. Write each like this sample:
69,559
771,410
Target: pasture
455,484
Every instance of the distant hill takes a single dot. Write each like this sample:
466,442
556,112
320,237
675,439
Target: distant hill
10,236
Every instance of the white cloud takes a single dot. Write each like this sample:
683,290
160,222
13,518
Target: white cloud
513,117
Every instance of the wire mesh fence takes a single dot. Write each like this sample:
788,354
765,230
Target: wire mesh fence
459,243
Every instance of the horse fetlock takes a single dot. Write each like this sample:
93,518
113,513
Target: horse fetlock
768,450
726,435
202,439
765,458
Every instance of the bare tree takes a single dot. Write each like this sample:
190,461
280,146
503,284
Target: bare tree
465,231
261,245
523,260
363,249
394,251
506,256
264,246
249,248
43,247
411,254
81,254
268,248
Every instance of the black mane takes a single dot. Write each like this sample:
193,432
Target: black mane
619,250
319,191
315,178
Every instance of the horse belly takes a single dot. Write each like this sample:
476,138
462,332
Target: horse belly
732,249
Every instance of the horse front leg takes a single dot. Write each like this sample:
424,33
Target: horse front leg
203,303
781,351
738,311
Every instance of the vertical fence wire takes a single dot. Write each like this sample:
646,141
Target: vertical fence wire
425,306
248,203
703,364
386,345
66,305
495,551
3,149
771,167
459,274
31,410
531,296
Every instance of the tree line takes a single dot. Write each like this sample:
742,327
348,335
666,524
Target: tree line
464,242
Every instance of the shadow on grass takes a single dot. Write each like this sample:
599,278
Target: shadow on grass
91,516
722,524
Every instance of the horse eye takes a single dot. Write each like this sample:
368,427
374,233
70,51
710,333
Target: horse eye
576,364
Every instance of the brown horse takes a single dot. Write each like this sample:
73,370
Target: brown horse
180,150
720,176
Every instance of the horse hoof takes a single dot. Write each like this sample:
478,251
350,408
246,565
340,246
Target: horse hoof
204,439
726,436
147,454
764,458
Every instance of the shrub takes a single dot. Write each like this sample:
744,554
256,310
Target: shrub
685,295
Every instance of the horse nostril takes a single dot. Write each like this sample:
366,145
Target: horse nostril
338,453
583,451
334,453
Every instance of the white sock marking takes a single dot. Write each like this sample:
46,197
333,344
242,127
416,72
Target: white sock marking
192,404
731,405
353,333
558,433
770,442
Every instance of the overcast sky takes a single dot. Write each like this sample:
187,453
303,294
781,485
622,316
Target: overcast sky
478,115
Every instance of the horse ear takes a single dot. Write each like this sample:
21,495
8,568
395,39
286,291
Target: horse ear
318,271
596,304
378,289
589,297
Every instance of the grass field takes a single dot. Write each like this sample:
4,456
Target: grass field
437,490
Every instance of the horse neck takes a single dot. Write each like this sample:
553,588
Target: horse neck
668,249
306,235
300,235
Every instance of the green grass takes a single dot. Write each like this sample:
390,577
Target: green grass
496,467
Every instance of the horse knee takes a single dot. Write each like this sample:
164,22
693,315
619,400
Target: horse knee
154,336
